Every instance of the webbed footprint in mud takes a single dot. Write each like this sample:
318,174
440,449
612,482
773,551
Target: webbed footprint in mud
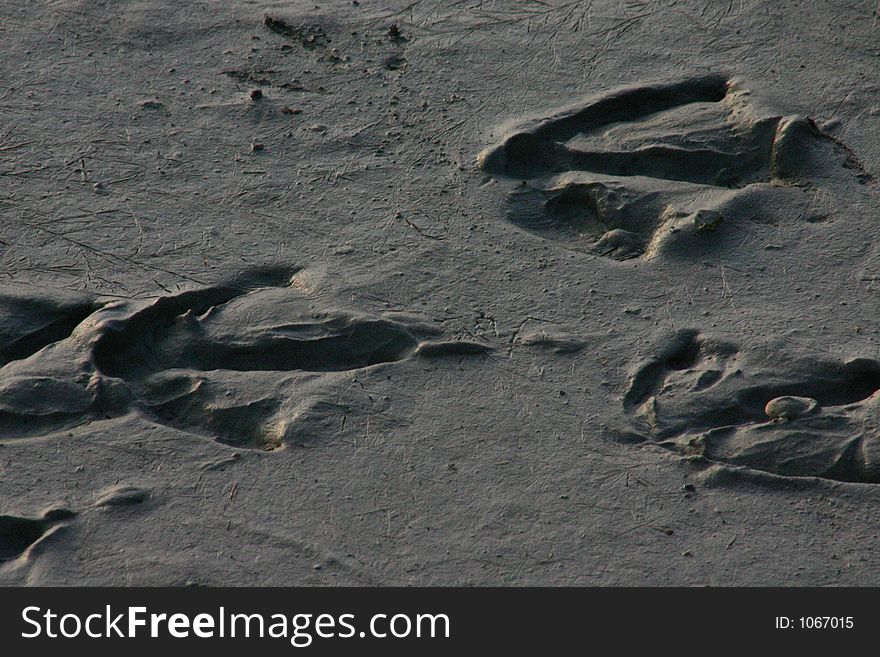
636,172
805,417
243,362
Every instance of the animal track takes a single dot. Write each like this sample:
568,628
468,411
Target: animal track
621,173
800,417
38,321
220,361
19,534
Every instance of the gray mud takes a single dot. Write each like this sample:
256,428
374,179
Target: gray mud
507,293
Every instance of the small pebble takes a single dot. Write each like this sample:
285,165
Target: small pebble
706,220
787,408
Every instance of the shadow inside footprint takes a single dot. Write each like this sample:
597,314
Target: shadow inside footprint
19,534
247,328
38,320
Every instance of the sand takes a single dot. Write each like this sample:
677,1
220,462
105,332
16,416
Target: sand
432,293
